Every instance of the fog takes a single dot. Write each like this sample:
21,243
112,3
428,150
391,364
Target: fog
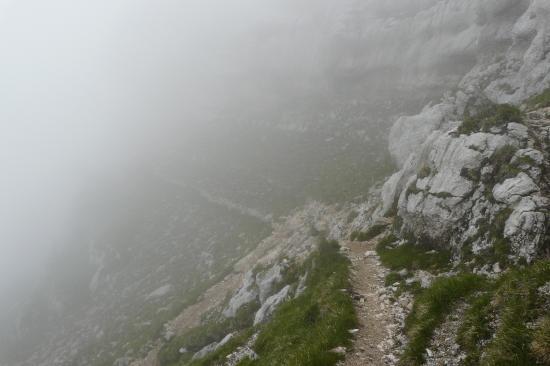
92,88
147,146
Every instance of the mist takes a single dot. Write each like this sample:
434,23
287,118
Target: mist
150,151
95,88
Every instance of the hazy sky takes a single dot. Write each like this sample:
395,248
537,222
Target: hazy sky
88,87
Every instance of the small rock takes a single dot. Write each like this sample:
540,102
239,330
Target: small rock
370,254
339,350
403,272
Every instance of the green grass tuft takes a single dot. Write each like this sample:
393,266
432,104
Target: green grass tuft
539,101
430,309
540,345
495,115
304,329
517,304
411,257
476,328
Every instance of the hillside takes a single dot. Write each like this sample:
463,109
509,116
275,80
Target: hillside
398,214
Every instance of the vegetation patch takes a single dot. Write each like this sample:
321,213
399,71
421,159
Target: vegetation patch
302,331
424,172
371,233
508,323
538,101
212,331
430,309
518,304
494,115
476,327
411,256
501,160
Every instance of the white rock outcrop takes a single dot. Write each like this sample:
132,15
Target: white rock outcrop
271,304
513,189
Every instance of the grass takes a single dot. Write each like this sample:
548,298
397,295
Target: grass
430,309
475,328
501,160
539,101
518,304
303,330
212,331
494,115
219,356
411,256
371,233
495,330
541,341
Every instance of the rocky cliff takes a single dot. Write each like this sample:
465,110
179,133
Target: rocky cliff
469,188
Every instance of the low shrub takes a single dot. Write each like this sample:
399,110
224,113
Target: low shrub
411,256
371,233
495,115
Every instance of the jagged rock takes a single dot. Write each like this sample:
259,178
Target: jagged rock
544,290
339,350
247,293
409,132
267,280
534,155
212,347
526,226
518,131
301,285
243,352
513,189
425,278
270,304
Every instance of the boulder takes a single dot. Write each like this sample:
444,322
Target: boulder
512,189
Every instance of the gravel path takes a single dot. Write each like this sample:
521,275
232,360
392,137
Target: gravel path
368,282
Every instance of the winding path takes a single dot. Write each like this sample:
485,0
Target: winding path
372,312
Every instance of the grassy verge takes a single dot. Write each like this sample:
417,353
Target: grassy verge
430,309
508,324
411,256
518,304
302,331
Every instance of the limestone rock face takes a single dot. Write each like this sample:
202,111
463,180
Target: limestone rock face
247,293
454,186
513,189
271,304
527,225
451,187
